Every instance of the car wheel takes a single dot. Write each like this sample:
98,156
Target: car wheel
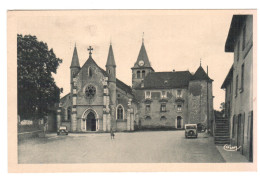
66,133
58,133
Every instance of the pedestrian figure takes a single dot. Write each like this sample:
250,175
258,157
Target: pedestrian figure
112,134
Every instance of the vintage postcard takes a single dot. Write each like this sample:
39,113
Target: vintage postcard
149,90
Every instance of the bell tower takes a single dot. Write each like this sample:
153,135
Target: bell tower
142,67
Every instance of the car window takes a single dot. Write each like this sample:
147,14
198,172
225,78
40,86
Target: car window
190,127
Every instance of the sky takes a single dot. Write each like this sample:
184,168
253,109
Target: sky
174,39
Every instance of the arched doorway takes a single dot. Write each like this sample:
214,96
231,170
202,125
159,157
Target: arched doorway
91,122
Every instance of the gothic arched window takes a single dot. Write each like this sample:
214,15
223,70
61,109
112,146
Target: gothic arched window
120,113
69,114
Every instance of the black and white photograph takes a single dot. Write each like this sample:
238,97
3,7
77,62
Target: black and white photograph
134,87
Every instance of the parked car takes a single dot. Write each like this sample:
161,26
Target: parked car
191,130
62,130
201,127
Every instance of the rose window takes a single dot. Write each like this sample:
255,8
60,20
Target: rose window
90,91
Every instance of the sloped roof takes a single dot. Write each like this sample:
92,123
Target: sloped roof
75,59
234,30
110,58
200,74
166,80
142,56
123,86
119,83
228,78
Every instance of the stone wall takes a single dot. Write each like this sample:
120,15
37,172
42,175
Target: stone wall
158,118
197,102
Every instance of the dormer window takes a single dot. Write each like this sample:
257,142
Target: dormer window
163,94
179,94
148,94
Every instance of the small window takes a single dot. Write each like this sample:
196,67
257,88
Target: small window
147,94
148,118
163,118
109,71
179,107
178,93
90,72
118,95
143,74
163,107
138,74
242,78
148,108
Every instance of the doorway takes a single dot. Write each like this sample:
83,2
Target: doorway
239,131
178,122
91,122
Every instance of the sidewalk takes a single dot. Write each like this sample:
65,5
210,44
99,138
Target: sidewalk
231,156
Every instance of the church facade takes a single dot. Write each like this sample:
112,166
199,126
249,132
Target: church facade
98,101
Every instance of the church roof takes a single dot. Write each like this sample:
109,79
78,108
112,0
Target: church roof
200,74
142,57
166,80
110,58
119,83
75,58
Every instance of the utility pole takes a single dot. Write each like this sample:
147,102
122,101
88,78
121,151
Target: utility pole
208,98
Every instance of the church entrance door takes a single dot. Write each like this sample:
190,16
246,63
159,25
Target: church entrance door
91,122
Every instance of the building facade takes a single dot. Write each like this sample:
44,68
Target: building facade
239,84
98,101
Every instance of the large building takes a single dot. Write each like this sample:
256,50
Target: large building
239,84
98,101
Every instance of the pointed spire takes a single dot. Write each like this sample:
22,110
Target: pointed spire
200,74
110,58
75,58
142,57
143,38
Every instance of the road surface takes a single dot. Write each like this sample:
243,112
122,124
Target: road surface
135,147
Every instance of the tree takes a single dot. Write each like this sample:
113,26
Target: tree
222,107
37,89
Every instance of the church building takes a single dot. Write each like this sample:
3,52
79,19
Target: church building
98,101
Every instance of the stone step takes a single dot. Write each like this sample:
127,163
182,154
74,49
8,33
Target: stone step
222,142
221,134
221,131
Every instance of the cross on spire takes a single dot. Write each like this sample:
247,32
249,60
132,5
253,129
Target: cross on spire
90,49
200,61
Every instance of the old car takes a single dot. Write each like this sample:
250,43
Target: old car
191,130
62,130
201,127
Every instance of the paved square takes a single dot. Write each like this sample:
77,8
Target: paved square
135,147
